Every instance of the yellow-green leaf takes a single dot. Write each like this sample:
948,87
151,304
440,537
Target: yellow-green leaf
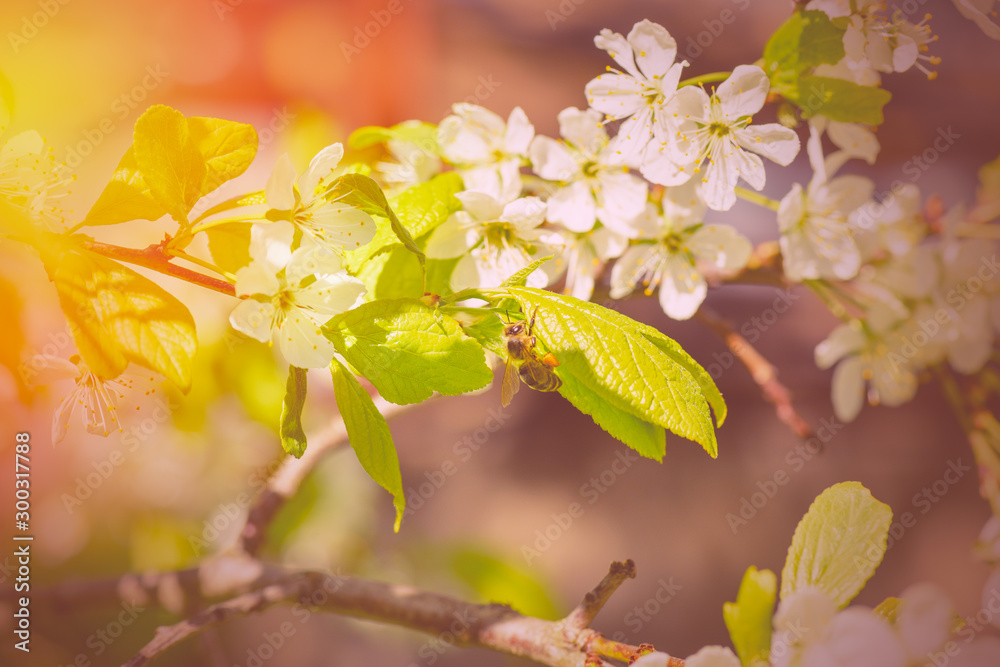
230,245
126,197
169,159
293,437
119,316
227,147
749,618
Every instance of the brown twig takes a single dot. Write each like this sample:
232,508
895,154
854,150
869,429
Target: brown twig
491,626
155,257
594,600
761,370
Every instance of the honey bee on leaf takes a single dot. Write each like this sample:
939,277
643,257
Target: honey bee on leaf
524,362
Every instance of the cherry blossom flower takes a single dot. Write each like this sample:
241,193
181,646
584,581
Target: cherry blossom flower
717,128
983,13
816,238
486,152
31,181
303,201
681,243
637,94
494,241
585,256
593,186
709,656
288,295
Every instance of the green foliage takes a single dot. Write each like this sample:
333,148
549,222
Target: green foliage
118,316
749,618
519,278
293,437
369,435
229,245
424,207
392,273
408,350
172,163
838,544
808,39
421,134
617,360
497,580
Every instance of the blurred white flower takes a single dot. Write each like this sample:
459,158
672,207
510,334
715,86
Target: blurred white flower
680,244
816,239
896,224
289,295
983,13
486,152
495,240
413,164
717,128
638,94
856,140
98,397
924,620
890,44
31,181
585,256
592,186
304,201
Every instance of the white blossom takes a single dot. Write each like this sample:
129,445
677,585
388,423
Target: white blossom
585,256
717,128
593,187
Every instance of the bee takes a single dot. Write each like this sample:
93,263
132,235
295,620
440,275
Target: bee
524,362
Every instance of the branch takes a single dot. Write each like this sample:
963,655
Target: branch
496,627
285,482
154,257
761,370
594,601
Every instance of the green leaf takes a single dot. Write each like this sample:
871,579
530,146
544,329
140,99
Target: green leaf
838,544
416,132
648,439
519,278
424,207
369,435
805,40
169,159
118,316
749,618
229,245
841,100
363,192
439,275
614,357
408,350
227,147
126,197
391,274
293,438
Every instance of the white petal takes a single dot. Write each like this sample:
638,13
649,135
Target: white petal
342,226
633,136
751,168
552,161
617,95
621,196
321,166
861,638
583,129
302,343
848,389
279,191
619,49
480,205
792,209
628,269
453,238
253,318
983,650
854,138
257,278
607,243
713,656
653,48
573,207
524,213
271,243
924,619
466,274
660,166
775,142
582,266
653,660
722,246
743,93
310,261
519,133
842,341
683,289
330,295
720,181
61,417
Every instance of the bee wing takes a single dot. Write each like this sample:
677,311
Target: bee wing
511,383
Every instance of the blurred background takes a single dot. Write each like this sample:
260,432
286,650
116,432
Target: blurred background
305,74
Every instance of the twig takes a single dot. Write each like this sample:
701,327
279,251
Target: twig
491,626
761,370
594,600
154,257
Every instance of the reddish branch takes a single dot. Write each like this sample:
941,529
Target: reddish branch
157,258
761,370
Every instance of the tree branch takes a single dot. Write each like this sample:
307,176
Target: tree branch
490,626
154,257
761,370
594,600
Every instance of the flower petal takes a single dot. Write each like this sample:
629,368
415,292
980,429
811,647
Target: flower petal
775,142
682,289
321,167
743,93
524,213
629,268
573,207
653,48
616,95
552,161
280,189
518,134
583,129
722,246
253,318
618,47
453,238
302,343
848,388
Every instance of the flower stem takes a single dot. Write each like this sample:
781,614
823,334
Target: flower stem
704,78
154,257
757,198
